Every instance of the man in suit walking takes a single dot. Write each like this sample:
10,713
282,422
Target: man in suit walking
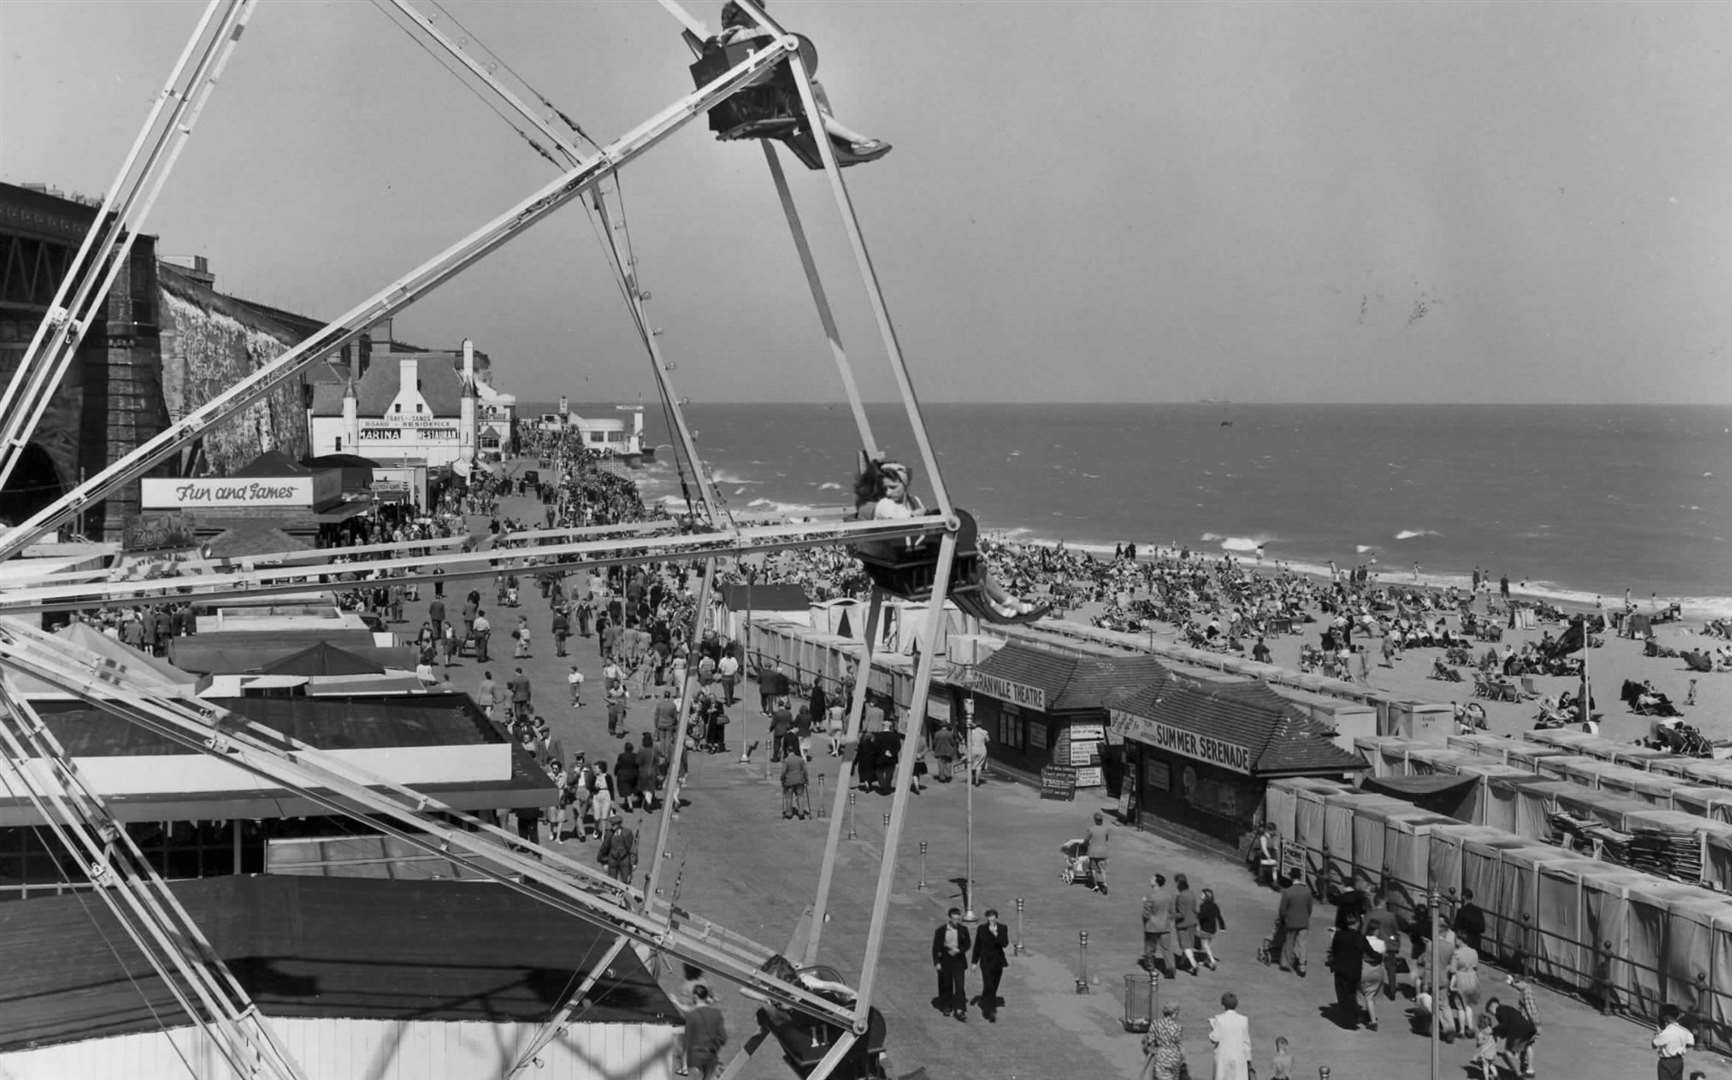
989,956
950,959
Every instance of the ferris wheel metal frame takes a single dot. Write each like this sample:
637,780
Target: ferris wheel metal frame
35,764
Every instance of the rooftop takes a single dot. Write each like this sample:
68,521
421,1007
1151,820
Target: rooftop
317,947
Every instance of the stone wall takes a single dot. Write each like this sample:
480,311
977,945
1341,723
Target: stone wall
209,343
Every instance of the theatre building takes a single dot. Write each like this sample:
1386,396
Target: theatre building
1198,754
1042,708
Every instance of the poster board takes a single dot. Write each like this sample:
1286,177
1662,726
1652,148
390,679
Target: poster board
1058,782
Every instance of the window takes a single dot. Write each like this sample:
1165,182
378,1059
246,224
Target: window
596,436
1010,728
399,406
339,444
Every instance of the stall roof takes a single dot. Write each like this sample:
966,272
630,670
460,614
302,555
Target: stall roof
243,538
765,598
323,658
1281,737
1074,683
317,947
273,463
328,723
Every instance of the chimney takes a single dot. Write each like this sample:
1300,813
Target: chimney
468,361
564,407
200,271
408,376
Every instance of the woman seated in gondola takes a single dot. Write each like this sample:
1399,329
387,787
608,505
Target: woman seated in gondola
740,27
881,494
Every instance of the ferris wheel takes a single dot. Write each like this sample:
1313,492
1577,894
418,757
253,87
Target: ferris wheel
753,82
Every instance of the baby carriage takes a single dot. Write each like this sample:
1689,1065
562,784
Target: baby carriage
1076,863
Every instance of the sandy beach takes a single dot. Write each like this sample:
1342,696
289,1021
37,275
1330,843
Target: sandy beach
1609,665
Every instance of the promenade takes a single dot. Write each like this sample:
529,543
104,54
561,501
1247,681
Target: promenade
738,862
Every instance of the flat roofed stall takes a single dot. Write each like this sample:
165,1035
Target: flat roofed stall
414,978
199,816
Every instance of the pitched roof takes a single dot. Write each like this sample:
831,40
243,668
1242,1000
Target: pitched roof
1074,683
323,659
441,384
1280,735
1049,671
317,947
245,538
273,463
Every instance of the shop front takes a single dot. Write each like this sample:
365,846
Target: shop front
1197,755
1044,710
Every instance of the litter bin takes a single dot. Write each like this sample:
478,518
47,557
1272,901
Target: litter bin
1142,999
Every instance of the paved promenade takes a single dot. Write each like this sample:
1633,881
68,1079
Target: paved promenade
741,864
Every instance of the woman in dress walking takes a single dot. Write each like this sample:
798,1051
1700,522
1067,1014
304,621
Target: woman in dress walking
1163,1046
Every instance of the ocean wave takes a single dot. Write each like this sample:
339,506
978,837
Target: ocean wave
1237,543
1409,534
723,476
1364,549
829,485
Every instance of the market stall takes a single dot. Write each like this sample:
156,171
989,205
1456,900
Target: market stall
1045,710
1202,753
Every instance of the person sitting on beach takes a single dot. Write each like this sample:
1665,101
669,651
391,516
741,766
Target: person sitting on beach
739,27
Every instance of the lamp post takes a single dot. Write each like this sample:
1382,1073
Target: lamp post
968,839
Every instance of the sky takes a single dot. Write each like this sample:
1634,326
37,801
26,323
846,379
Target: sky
1270,202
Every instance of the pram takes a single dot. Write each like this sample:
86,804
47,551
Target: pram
1076,863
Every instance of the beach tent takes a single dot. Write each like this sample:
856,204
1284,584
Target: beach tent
1510,806
1308,825
1709,771
1444,854
322,659
1605,934
1476,797
1528,755
1434,759
1676,766
1281,802
1480,744
1386,754
1637,784
1561,954
1523,920
1338,812
1370,821
1568,738
141,669
1600,807
1562,766
1647,915
1643,757
1698,962
1407,856
1703,801
1482,872
1717,857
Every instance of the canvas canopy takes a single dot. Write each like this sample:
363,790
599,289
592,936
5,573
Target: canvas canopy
1444,858
1524,919
323,659
1698,961
1529,755
1480,744
1704,801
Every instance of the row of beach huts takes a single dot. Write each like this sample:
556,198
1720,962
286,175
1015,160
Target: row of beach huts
1603,868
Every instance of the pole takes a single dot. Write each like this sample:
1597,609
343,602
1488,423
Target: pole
968,837
1432,966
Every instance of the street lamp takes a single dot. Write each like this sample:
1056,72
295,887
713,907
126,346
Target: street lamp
968,777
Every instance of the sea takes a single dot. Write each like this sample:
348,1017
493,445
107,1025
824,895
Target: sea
1571,502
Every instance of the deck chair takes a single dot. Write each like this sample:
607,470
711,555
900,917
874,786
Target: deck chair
1528,693
1481,686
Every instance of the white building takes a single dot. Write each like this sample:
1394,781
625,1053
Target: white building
406,408
610,437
